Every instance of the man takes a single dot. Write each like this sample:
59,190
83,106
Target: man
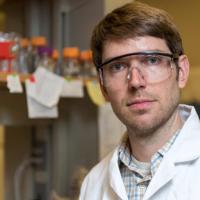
142,67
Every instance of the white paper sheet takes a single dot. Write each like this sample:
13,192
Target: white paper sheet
48,87
36,109
14,84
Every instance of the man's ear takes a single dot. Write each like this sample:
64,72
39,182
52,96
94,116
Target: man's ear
184,68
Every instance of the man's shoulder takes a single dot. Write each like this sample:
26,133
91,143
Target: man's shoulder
102,168
97,179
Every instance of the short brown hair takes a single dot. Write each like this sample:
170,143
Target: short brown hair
134,20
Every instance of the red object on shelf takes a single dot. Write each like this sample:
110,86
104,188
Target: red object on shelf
32,78
5,50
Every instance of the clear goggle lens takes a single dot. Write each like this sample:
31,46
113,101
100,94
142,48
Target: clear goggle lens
153,67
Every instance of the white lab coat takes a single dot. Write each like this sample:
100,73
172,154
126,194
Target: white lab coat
178,177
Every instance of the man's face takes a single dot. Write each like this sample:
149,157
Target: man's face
143,107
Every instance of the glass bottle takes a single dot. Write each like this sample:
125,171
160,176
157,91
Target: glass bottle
45,58
56,62
88,68
36,42
70,62
23,56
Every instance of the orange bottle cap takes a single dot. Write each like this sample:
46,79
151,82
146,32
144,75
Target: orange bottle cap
55,54
39,41
90,54
84,55
71,52
24,42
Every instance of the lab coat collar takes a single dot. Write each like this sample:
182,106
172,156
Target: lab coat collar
185,149
187,145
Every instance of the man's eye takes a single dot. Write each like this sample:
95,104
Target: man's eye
152,60
116,67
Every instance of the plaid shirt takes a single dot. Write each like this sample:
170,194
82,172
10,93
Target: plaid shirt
137,175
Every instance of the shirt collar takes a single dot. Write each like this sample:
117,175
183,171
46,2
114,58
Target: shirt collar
126,158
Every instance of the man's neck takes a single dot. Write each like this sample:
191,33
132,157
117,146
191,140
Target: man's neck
143,148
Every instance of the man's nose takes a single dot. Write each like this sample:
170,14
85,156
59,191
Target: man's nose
135,78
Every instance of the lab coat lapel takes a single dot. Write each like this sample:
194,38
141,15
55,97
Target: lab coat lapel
115,178
165,173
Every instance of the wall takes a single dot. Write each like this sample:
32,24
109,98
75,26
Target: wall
186,15
14,16
109,5
82,19
17,149
73,22
38,18
28,17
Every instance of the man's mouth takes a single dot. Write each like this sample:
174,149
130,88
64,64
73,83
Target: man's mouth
140,104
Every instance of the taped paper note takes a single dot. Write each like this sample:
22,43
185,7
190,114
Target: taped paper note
14,84
36,109
48,87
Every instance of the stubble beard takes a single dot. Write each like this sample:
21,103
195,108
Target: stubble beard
145,130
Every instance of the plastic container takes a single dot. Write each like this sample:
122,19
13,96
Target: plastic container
24,56
56,62
45,58
70,62
36,42
87,66
9,48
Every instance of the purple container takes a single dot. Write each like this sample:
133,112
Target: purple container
45,50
